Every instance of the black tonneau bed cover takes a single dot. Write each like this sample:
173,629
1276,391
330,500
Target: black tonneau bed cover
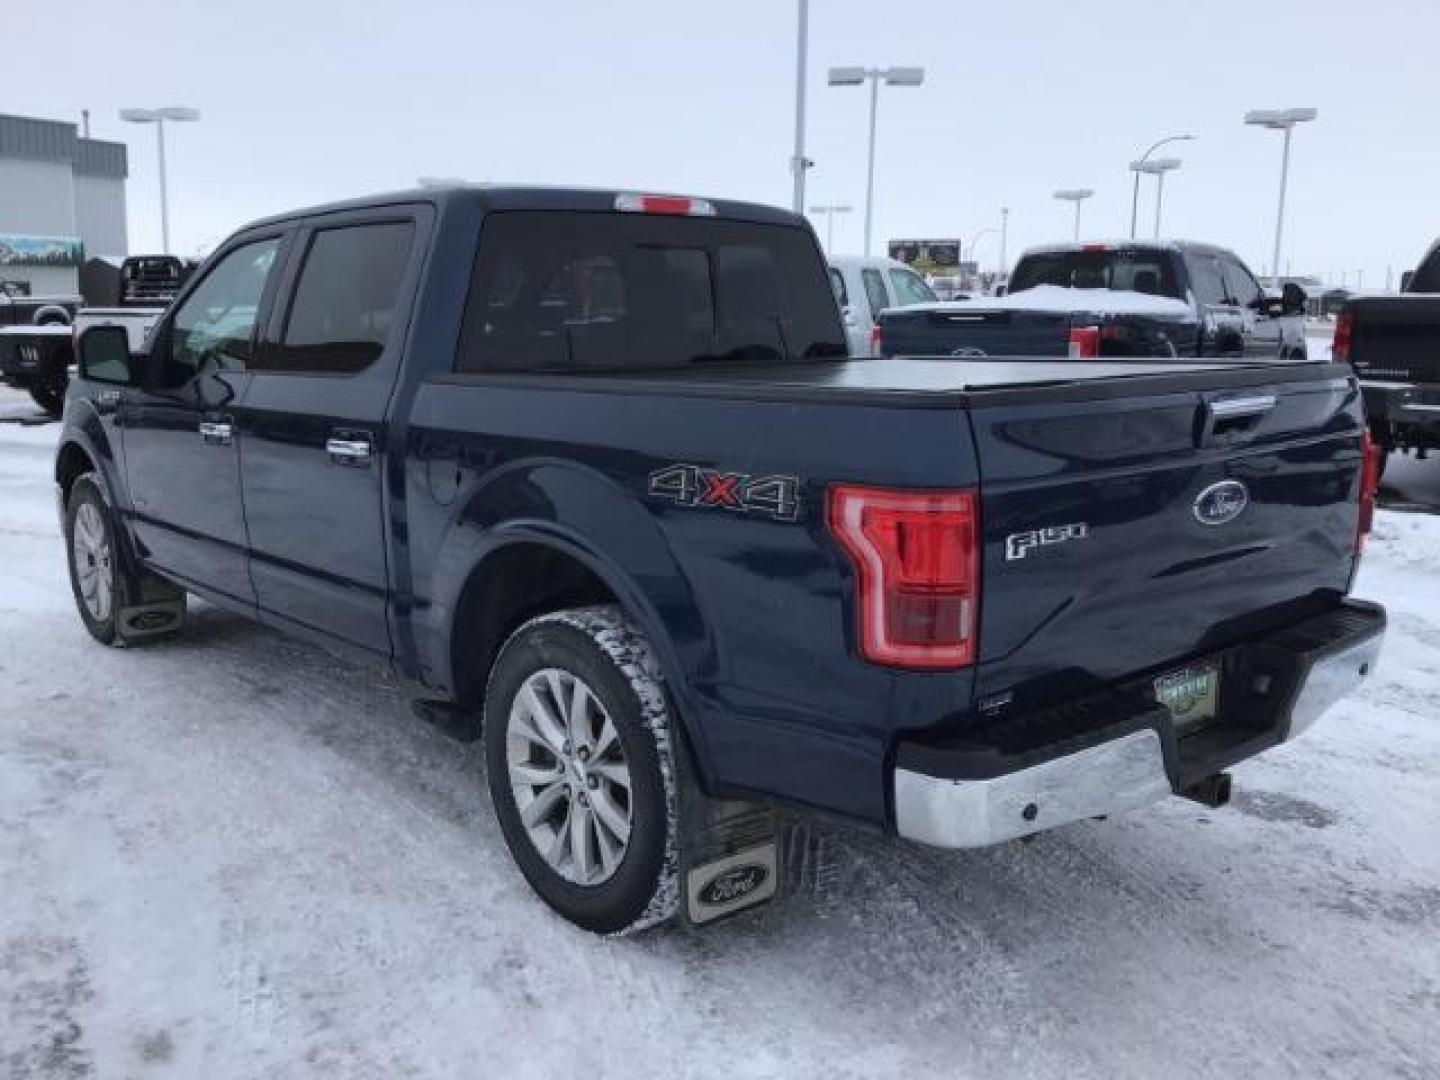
925,382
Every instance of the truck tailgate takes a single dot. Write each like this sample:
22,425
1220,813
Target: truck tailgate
1396,338
1109,549
964,330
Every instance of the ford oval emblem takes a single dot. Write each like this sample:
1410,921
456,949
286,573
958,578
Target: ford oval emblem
1222,503
733,884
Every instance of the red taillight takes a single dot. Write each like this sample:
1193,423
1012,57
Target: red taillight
1093,247
1084,342
877,339
917,560
1370,458
1344,328
663,204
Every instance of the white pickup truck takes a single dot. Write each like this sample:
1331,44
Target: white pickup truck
38,358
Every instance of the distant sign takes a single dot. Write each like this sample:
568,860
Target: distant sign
17,250
927,255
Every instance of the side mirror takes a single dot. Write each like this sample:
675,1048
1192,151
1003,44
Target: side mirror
104,355
1001,290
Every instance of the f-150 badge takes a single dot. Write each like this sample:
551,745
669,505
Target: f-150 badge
1018,545
691,485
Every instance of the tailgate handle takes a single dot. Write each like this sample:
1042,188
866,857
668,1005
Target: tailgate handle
1229,416
1226,408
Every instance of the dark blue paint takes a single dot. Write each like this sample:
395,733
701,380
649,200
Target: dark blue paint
752,619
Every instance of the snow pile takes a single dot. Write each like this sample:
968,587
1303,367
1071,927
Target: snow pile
1059,298
231,856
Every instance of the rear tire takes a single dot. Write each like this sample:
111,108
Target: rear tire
578,750
49,392
106,592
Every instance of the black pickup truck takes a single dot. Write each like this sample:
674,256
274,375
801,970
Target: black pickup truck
593,470
1394,343
1123,299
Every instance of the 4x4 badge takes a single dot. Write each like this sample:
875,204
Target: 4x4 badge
692,485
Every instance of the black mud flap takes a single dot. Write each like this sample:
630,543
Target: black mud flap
731,861
159,609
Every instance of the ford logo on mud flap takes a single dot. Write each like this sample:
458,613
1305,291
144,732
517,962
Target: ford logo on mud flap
1221,503
733,884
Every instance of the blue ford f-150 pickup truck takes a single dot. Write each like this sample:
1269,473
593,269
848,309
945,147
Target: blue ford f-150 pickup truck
593,468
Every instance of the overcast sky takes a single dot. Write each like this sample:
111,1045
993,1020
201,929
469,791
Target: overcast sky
309,100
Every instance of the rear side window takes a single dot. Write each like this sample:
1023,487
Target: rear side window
875,292
1128,269
575,291
910,288
1205,279
837,286
345,301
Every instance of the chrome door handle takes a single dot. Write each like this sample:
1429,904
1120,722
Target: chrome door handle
217,432
349,450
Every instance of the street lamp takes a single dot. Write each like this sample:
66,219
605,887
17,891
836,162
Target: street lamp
829,212
1280,120
1157,168
1004,235
1137,170
856,76
176,114
799,162
1077,196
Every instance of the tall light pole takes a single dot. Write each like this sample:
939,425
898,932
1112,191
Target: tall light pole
1280,120
1004,235
1135,167
1076,196
829,212
856,76
799,162
1156,168
176,114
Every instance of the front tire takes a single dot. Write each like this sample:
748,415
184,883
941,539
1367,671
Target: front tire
116,606
579,754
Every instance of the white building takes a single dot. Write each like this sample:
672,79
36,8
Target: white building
62,200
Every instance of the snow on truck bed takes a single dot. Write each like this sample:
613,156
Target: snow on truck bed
1059,298
231,856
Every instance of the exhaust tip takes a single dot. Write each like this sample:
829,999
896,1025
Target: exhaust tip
1213,791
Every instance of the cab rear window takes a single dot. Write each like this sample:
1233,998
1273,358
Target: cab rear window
574,291
1142,271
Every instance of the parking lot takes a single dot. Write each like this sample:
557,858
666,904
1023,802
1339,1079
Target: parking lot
232,856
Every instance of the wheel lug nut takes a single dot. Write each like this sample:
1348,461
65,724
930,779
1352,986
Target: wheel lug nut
592,782
565,748
584,753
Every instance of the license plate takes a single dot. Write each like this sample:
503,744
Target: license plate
1191,694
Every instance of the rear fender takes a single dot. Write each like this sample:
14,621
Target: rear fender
581,513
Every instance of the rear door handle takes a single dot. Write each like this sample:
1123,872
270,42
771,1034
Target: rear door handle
217,432
350,448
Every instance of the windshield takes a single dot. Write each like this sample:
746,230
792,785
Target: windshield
566,291
1132,270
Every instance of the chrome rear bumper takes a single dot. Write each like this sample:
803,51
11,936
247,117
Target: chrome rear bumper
1111,776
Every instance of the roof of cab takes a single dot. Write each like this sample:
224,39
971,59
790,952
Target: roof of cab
1122,245
530,197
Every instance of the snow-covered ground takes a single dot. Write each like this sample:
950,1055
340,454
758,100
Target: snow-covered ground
231,856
